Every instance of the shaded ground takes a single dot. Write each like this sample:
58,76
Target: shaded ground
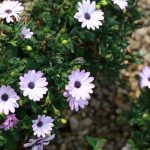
101,117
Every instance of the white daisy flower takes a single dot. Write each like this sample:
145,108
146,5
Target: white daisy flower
8,99
10,10
74,104
26,33
33,85
42,126
88,15
79,85
121,3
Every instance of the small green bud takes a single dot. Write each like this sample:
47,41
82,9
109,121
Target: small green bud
145,115
98,6
76,67
109,56
63,30
45,111
65,42
21,102
104,2
28,48
56,111
63,121
57,75
46,30
13,74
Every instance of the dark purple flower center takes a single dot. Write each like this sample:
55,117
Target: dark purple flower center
31,85
148,78
40,123
87,16
8,11
77,84
4,97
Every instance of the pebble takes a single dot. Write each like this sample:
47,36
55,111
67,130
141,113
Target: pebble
50,147
63,147
74,123
86,122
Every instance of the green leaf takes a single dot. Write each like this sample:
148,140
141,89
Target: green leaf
96,143
26,122
2,140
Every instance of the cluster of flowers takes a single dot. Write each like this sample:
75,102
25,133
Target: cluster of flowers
34,85
87,13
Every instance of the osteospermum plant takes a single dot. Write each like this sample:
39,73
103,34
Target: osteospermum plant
50,54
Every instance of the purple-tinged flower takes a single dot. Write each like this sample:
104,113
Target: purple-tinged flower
26,33
79,89
88,15
145,77
8,99
42,126
79,85
33,85
121,3
37,144
74,104
9,122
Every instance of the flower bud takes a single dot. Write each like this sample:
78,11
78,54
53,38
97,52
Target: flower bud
65,42
28,48
63,121
98,6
